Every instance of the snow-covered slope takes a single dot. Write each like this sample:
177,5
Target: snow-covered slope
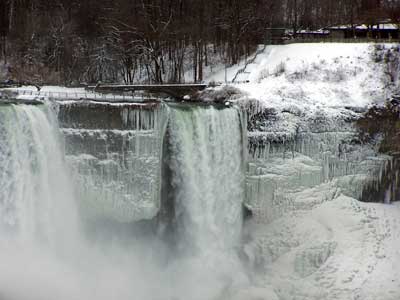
341,249
323,74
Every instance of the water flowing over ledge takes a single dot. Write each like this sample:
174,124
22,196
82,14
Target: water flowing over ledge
35,189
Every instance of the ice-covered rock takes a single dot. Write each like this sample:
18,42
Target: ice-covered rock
116,153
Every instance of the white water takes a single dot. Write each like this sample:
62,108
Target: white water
36,197
38,219
46,254
208,175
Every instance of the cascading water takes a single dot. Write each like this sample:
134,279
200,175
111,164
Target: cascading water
208,173
207,162
38,217
36,199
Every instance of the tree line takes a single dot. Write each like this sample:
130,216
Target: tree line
73,41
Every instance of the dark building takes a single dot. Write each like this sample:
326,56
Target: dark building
377,31
276,36
370,4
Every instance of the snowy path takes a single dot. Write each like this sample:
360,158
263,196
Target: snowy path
242,75
241,71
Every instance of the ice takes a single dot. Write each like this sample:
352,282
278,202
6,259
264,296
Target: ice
119,170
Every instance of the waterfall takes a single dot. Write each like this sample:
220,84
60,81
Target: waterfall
207,163
39,228
35,194
208,172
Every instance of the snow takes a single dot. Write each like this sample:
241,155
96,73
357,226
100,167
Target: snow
313,75
302,82
361,27
49,88
341,249
66,95
390,26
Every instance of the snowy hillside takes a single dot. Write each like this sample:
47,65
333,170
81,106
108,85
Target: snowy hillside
311,75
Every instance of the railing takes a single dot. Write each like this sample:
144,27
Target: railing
249,62
338,40
85,96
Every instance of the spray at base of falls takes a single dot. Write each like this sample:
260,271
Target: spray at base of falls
38,217
37,204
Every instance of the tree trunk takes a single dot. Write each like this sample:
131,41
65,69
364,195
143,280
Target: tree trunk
4,52
11,15
195,63
200,61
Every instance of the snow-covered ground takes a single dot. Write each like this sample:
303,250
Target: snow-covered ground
339,249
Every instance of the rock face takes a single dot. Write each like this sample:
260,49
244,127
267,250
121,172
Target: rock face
383,123
116,152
